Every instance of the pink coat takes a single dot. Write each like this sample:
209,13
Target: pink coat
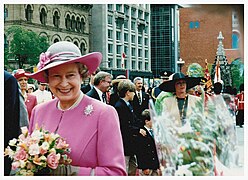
95,139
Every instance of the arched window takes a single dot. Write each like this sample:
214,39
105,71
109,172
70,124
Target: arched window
68,22
28,13
235,41
76,43
78,24
191,25
197,24
73,23
56,40
82,25
43,16
56,19
83,48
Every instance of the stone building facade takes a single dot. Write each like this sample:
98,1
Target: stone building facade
57,22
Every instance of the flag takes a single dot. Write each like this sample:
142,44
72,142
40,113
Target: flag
207,76
123,56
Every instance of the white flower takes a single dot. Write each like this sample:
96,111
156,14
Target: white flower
45,145
36,135
12,142
34,149
24,130
88,110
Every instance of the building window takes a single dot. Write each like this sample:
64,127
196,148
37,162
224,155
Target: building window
78,24
140,40
147,17
197,24
140,52
82,25
110,48
133,51
29,13
133,12
146,41
133,65
126,37
110,19
83,48
118,7
110,7
193,24
118,49
56,19
133,39
119,23
126,50
68,22
146,66
43,16
146,53
73,23
118,63
110,62
133,25
118,35
140,65
235,41
110,34
140,14
126,10
55,40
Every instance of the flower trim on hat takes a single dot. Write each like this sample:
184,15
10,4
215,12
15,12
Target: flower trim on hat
45,59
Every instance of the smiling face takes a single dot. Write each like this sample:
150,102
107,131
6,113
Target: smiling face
65,82
23,81
180,86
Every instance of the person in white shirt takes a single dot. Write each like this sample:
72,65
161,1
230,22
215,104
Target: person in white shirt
42,94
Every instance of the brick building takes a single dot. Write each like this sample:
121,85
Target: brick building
199,29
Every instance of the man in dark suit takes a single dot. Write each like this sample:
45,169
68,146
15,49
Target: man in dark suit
129,126
89,86
147,158
11,114
102,85
141,99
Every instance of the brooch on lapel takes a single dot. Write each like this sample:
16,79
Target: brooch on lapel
88,110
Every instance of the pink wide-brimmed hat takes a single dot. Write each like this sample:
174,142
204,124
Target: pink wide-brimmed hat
65,52
21,73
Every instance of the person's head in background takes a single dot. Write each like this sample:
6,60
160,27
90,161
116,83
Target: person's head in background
31,88
217,88
146,118
138,83
103,81
126,89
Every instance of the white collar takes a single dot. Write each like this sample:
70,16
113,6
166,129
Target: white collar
75,103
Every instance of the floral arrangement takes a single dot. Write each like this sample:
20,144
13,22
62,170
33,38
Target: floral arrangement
38,153
205,143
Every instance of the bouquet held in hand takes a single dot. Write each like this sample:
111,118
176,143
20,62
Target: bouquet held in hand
38,153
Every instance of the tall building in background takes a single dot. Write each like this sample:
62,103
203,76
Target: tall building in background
121,32
164,38
57,22
199,28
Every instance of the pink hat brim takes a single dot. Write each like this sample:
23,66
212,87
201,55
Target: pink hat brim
91,61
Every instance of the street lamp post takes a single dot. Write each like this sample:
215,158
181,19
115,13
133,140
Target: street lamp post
180,64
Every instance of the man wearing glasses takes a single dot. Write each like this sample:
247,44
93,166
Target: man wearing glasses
102,85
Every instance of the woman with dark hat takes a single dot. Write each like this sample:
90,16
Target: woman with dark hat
90,127
180,104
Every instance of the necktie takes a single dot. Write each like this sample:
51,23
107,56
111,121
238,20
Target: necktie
151,132
139,98
104,97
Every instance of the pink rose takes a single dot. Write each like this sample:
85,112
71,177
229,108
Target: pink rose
61,144
15,165
53,160
21,154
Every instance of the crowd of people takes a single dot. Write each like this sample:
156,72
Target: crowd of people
107,122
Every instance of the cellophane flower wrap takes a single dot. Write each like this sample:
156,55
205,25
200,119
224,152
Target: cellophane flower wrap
38,153
203,145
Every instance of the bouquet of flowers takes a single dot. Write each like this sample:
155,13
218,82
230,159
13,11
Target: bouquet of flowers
38,153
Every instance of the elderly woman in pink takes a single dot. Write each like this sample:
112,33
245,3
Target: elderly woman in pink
90,127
